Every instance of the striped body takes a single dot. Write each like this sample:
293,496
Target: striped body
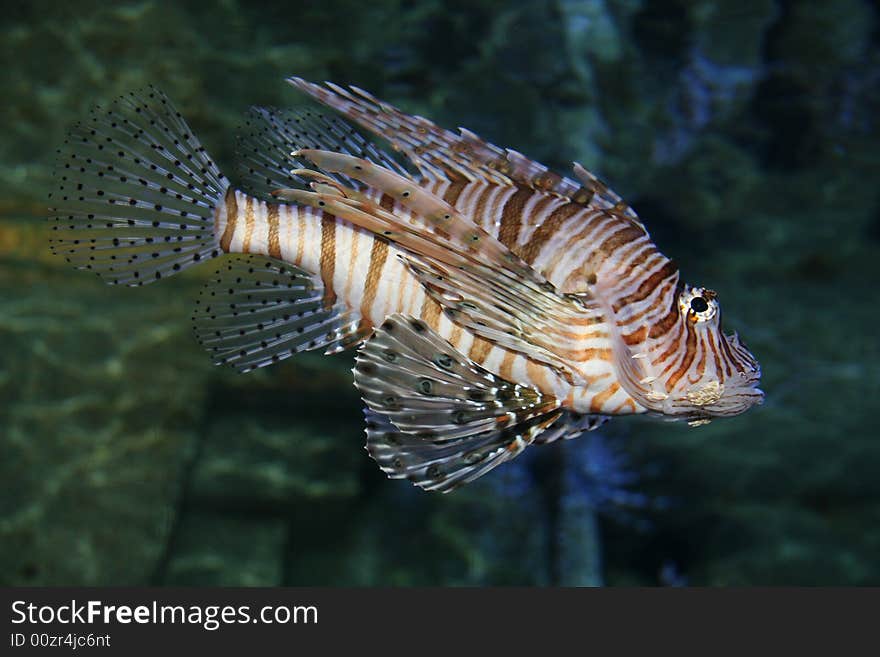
497,304
550,232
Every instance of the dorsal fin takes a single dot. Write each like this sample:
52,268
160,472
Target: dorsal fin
269,136
444,155
439,154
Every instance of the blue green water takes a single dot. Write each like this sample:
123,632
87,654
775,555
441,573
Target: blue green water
744,134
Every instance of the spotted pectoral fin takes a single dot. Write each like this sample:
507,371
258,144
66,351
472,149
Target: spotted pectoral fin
436,417
540,324
257,310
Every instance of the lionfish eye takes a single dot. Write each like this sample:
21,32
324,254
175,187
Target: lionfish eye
699,305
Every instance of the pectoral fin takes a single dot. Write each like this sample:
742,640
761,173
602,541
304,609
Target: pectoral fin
436,417
478,281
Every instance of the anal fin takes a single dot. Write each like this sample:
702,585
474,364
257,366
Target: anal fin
434,416
258,310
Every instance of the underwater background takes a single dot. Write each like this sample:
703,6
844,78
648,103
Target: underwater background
743,132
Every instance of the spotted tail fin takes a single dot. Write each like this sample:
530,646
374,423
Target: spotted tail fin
137,193
434,416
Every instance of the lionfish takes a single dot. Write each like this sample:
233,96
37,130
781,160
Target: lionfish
495,303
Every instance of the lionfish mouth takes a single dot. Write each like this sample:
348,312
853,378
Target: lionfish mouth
740,392
739,395
711,397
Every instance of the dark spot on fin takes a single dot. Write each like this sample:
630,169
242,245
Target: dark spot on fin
446,428
255,311
136,193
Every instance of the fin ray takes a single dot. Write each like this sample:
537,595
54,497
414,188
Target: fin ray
136,194
571,425
438,418
257,310
269,137
478,281
443,154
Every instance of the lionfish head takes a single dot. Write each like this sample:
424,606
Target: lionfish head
695,371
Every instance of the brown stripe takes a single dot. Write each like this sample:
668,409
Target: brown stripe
512,216
455,336
483,197
431,312
378,255
249,223
453,192
506,369
593,223
328,257
548,229
665,325
664,292
584,355
673,348
719,371
599,399
386,202
231,218
480,348
636,337
648,285
627,259
493,213
548,268
629,403
274,241
537,374
729,359
690,346
301,234
736,357
647,250
701,364
537,215
620,238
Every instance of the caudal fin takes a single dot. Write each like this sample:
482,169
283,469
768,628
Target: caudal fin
136,193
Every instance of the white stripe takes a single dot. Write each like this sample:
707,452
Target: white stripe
287,229
235,245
